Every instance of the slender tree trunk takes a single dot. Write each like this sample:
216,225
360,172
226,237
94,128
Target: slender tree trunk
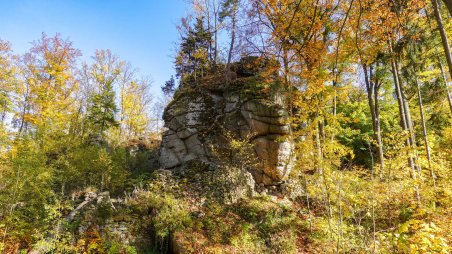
406,106
321,172
215,12
2,117
424,130
286,65
372,97
209,29
412,136
319,150
409,123
75,129
443,34
231,46
441,67
403,122
23,124
373,200
378,128
339,221
121,115
308,203
287,82
398,95
446,86
448,5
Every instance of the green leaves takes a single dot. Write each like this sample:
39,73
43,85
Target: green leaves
102,110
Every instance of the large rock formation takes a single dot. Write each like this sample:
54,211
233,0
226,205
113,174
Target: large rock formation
201,119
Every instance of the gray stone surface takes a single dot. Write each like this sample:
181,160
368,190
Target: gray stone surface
197,121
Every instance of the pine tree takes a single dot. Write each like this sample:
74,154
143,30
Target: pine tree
169,87
105,73
102,109
193,56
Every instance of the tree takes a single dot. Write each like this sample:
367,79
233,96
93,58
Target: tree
210,10
105,73
49,85
7,82
444,38
135,105
229,9
169,87
25,192
373,84
192,59
449,6
102,109
8,92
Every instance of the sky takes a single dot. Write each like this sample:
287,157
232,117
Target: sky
142,32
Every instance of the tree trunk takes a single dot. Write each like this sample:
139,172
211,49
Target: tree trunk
448,5
409,123
215,12
287,78
321,172
372,97
209,29
378,128
231,46
412,137
446,86
443,34
319,150
441,67
398,95
23,124
373,200
424,130
403,122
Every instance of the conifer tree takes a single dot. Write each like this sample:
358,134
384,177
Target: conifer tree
193,55
102,109
169,87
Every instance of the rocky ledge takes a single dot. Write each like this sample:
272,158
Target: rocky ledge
202,118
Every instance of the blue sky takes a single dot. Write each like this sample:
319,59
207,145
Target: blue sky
142,32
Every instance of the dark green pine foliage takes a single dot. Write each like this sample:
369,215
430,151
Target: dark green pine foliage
102,110
228,9
194,51
169,87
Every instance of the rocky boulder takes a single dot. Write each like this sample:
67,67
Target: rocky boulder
201,117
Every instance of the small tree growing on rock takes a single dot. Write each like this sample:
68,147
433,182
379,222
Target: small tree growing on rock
192,60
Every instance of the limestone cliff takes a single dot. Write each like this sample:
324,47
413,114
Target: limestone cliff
250,105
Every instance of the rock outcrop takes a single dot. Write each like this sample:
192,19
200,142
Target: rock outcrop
202,117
